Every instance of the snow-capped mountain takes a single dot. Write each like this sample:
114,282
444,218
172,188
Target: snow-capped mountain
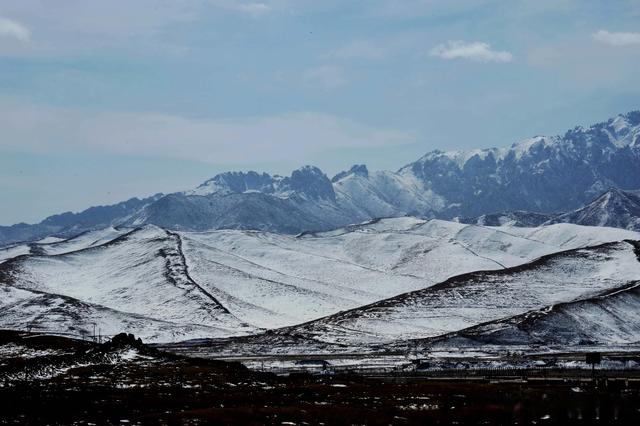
70,224
542,174
615,208
545,174
171,285
548,175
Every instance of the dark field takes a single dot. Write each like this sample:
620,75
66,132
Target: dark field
195,392
153,388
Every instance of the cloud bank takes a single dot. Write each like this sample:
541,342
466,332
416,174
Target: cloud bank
473,51
277,138
14,29
617,39
254,9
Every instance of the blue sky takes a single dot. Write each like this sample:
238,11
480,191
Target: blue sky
101,101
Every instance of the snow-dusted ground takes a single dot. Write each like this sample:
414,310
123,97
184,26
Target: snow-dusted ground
16,350
13,251
55,314
477,298
135,282
273,280
169,286
53,245
611,319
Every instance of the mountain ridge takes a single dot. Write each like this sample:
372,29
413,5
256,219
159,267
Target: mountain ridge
549,175
614,208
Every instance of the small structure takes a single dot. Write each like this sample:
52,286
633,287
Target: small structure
593,358
313,364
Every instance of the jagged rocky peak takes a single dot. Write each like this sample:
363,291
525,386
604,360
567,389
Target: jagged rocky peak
236,182
620,131
355,170
312,182
622,124
440,160
306,181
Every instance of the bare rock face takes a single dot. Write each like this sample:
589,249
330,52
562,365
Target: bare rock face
125,339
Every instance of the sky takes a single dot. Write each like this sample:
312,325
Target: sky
102,101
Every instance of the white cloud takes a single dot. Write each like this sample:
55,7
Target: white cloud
359,50
617,39
474,51
326,77
277,138
72,26
253,9
11,28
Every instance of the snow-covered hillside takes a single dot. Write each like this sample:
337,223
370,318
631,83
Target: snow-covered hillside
176,285
139,274
277,280
52,246
469,300
609,318
56,314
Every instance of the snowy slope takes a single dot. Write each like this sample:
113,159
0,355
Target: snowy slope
462,302
13,251
233,282
273,280
57,314
514,218
140,273
53,246
613,208
568,235
610,318
383,194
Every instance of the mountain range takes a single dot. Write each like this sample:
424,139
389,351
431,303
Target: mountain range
545,175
